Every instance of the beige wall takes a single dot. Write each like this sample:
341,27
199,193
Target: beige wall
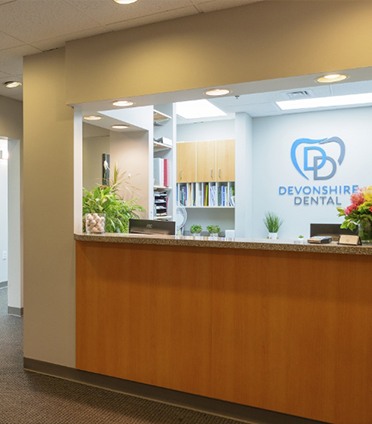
256,42
259,41
96,141
130,152
49,290
11,124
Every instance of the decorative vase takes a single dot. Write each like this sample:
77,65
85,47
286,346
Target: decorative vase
95,223
365,231
272,236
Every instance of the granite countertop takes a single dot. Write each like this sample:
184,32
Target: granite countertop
221,242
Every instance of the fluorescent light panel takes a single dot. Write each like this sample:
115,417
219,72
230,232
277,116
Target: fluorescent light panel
319,102
198,109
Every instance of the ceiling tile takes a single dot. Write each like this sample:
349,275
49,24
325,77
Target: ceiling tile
157,17
11,60
31,20
110,12
56,42
7,41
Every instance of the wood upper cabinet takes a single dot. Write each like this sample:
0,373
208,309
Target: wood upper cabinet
215,160
186,162
206,163
225,160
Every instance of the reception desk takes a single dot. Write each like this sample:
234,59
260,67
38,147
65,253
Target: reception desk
281,326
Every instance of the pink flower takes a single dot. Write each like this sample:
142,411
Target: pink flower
357,198
350,209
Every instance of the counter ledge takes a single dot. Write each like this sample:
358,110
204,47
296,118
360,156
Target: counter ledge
221,242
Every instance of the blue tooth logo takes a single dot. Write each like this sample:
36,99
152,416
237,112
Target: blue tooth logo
316,161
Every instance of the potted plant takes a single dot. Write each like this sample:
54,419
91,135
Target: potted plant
272,223
196,229
105,201
300,239
213,230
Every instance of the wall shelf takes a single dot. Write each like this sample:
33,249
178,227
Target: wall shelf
160,118
158,147
206,194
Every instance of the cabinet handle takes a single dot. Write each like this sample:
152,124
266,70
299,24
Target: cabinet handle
211,173
181,175
219,173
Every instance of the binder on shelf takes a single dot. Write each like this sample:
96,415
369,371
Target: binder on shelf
161,172
166,173
158,172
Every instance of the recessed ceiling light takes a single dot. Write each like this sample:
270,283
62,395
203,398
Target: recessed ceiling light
198,109
119,127
319,102
12,84
125,1
92,118
331,78
215,92
123,103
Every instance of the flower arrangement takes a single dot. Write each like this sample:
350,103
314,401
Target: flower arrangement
360,209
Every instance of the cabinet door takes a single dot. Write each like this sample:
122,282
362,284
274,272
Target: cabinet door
186,162
206,169
225,160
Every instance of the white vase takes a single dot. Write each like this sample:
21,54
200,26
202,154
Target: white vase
272,236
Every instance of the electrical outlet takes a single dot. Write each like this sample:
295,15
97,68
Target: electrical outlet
5,255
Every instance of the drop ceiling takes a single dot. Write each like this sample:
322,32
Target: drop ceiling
31,26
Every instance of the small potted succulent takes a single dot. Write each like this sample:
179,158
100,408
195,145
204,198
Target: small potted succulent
196,229
213,230
300,239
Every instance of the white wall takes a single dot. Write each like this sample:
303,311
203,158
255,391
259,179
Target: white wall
209,130
273,138
15,254
243,175
3,211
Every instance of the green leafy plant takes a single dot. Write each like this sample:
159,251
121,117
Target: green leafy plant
213,229
106,199
272,222
196,229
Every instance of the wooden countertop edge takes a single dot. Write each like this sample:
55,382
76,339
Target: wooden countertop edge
237,243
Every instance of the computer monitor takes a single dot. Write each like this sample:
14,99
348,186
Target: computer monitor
332,230
152,226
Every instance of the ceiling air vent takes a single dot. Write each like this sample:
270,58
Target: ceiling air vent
299,94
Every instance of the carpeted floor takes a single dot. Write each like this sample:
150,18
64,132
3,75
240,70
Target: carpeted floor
29,398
